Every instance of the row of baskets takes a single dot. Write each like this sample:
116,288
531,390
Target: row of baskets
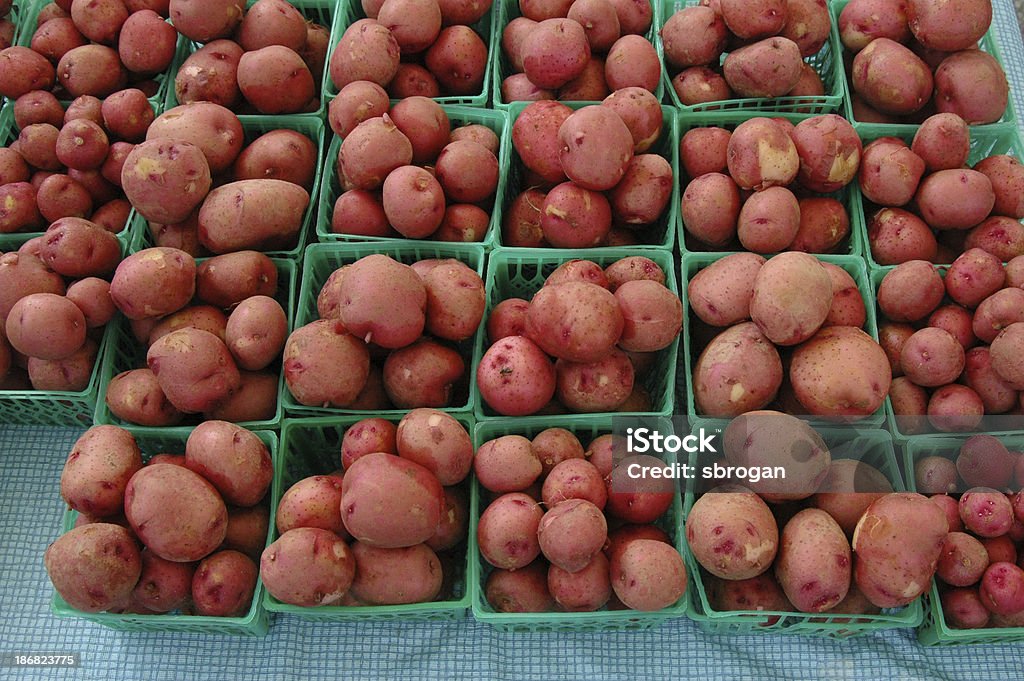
311,446
338,15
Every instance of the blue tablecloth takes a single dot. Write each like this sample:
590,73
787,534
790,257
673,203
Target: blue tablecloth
30,510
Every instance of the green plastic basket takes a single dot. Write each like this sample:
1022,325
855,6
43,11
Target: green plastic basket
11,242
457,115
30,23
693,262
123,353
256,622
55,407
853,244
826,63
322,12
985,141
321,261
987,44
601,620
253,127
313,447
662,234
487,28
874,447
935,631
501,67
520,272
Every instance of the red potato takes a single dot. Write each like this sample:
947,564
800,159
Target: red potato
205,22
312,358
810,536
632,62
739,371
24,71
999,235
732,534
853,395
555,445
235,460
508,318
652,316
437,442
461,184
775,282
185,175
194,369
600,386
848,489
45,326
974,276
507,531
507,464
308,567
574,479
699,85
957,321
420,119
574,217
972,85
932,357
369,310
423,374
92,296
146,43
356,102
720,293
275,80
936,475
1007,177
458,60
824,224
224,584
585,590
372,151
599,21
413,201
996,312
640,499
941,214
761,154
578,270
415,24
693,36
955,408
596,147
97,471
703,150
829,151
942,141
1002,589
271,22
163,585
710,208
535,136
135,396
643,193
455,301
1005,355
632,268
878,58
210,74
94,567
77,248
911,291
986,512
554,52
890,172
94,70
515,377
366,437
572,533
55,37
58,196
358,211
769,221
768,68
979,376
314,501
589,315
367,51
279,154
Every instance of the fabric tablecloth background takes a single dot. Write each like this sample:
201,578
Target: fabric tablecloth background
30,511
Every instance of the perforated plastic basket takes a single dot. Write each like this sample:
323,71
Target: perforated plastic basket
457,116
313,447
501,67
322,12
586,429
12,241
28,14
520,272
694,262
124,352
985,141
253,127
853,244
873,447
987,44
321,261
256,622
350,12
827,63
935,631
662,233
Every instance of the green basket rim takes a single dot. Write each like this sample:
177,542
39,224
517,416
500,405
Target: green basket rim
794,622
349,12
501,257
339,613
599,620
186,47
256,126
668,145
994,138
288,276
853,264
830,102
987,44
847,195
306,311
254,623
497,121
507,10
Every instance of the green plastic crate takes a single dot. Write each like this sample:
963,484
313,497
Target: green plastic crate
322,259
253,127
457,115
874,447
8,134
853,244
123,353
55,407
693,262
985,141
322,12
313,447
827,63
256,622
501,67
987,44
935,631
520,272
487,28
26,28
605,619
661,234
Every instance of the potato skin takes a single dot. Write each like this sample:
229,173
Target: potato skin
740,370
98,469
175,512
135,396
210,74
732,534
45,326
77,248
215,129
252,214
971,84
94,567
275,80
223,584
768,68
516,377
324,365
256,332
779,279
596,147
194,369
590,314
232,458
897,545
367,51
24,70
871,77
396,576
814,561
206,21
720,293
308,566
648,575
165,179
857,391
226,280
